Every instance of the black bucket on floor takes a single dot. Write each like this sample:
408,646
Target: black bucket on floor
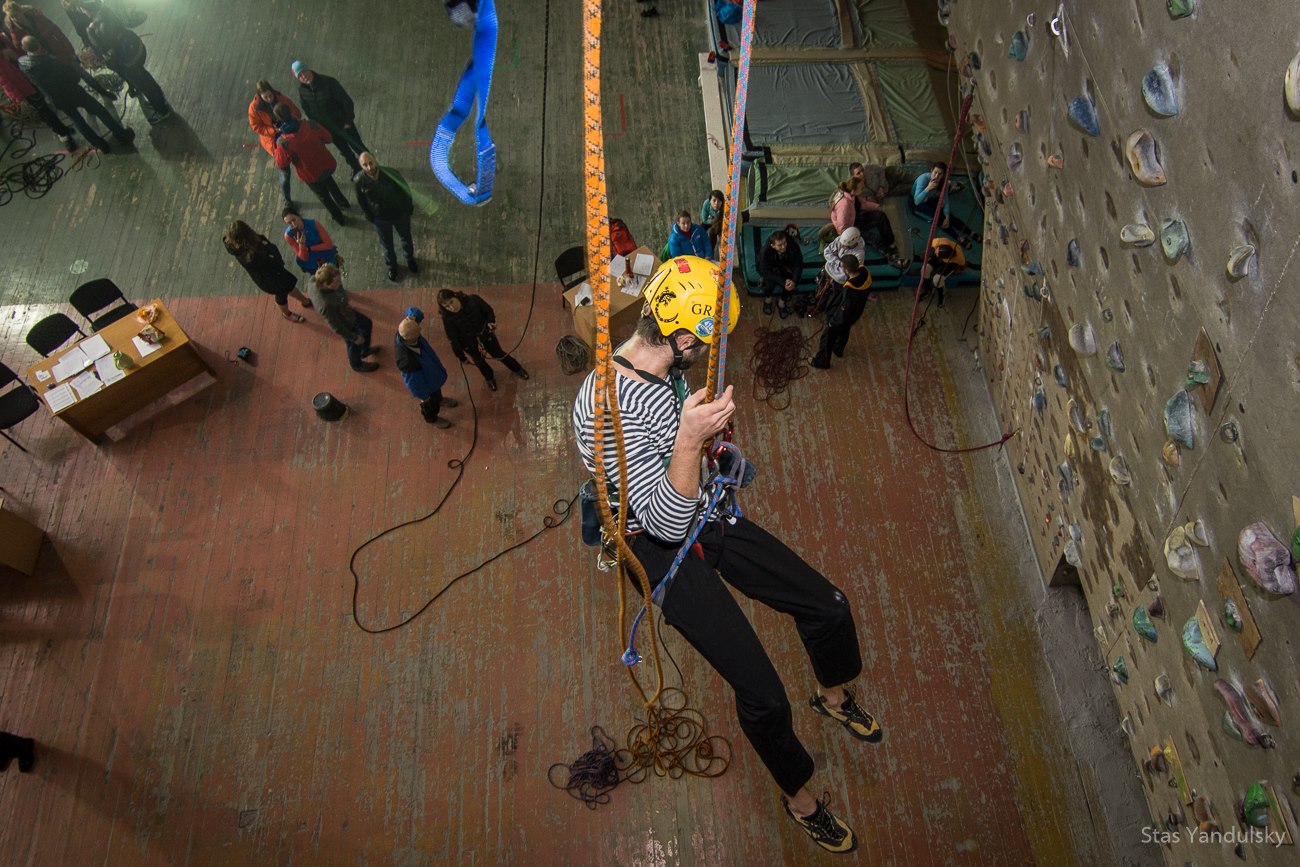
328,407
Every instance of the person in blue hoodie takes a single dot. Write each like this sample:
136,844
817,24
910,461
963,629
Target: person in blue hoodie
925,198
688,239
421,369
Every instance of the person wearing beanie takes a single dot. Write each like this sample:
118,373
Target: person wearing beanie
325,101
471,327
422,371
385,199
848,243
353,327
843,311
302,145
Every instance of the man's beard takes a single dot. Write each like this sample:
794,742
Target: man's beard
692,355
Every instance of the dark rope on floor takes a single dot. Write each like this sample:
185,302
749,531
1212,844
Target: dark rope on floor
780,357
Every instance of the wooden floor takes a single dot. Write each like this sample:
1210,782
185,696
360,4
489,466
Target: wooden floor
186,655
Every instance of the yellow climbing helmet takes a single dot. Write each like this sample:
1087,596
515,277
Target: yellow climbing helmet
681,296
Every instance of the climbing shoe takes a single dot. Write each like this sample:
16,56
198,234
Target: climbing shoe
827,830
857,721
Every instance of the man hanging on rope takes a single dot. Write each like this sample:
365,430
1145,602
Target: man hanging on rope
664,432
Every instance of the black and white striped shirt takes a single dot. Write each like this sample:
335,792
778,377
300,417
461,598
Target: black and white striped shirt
650,422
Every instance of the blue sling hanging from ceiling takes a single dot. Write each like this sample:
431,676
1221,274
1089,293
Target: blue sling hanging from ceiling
474,85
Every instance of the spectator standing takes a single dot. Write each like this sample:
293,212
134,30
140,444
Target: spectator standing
355,328
261,119
23,21
302,144
688,239
471,326
264,264
781,267
946,260
124,53
19,90
385,199
325,101
422,370
843,311
61,86
311,244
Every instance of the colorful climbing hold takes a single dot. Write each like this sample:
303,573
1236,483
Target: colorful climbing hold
1072,255
1174,239
1119,472
1181,8
1264,702
1120,670
1194,644
1239,260
1019,46
1178,419
1158,91
1084,114
1143,625
1137,234
1255,806
1144,159
1291,87
1266,559
1115,357
1083,339
1232,616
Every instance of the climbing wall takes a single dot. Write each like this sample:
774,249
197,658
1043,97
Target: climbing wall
1140,328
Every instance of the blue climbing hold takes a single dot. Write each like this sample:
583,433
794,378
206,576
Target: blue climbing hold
1019,46
1158,91
1084,114
1072,253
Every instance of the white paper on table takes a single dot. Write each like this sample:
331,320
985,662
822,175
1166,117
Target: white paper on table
633,286
73,362
42,375
617,266
107,370
583,295
60,397
86,384
145,348
95,347
642,263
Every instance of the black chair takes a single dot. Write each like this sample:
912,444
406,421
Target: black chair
52,332
93,297
571,268
16,404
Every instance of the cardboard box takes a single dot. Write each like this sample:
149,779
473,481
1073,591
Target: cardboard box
624,306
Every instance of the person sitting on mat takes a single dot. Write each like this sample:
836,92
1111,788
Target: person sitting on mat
925,198
781,267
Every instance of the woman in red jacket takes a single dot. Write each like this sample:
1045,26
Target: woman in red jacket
302,144
261,118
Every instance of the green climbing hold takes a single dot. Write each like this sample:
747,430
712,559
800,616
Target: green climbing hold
1181,8
1255,806
1194,644
1142,623
1295,545
1019,46
1174,239
1232,615
1120,669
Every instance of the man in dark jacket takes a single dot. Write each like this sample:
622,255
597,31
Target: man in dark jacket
61,85
124,53
383,196
325,101
303,145
471,327
421,370
781,266
347,323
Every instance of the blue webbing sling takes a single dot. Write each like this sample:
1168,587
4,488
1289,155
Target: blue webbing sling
476,82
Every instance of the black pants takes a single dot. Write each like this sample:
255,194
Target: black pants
145,86
700,607
72,108
364,327
839,322
490,345
327,190
349,145
876,230
47,114
430,405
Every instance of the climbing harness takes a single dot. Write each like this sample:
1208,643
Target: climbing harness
475,84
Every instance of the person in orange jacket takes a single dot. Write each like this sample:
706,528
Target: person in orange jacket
261,119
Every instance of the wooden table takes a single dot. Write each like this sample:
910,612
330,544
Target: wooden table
624,307
20,541
176,362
